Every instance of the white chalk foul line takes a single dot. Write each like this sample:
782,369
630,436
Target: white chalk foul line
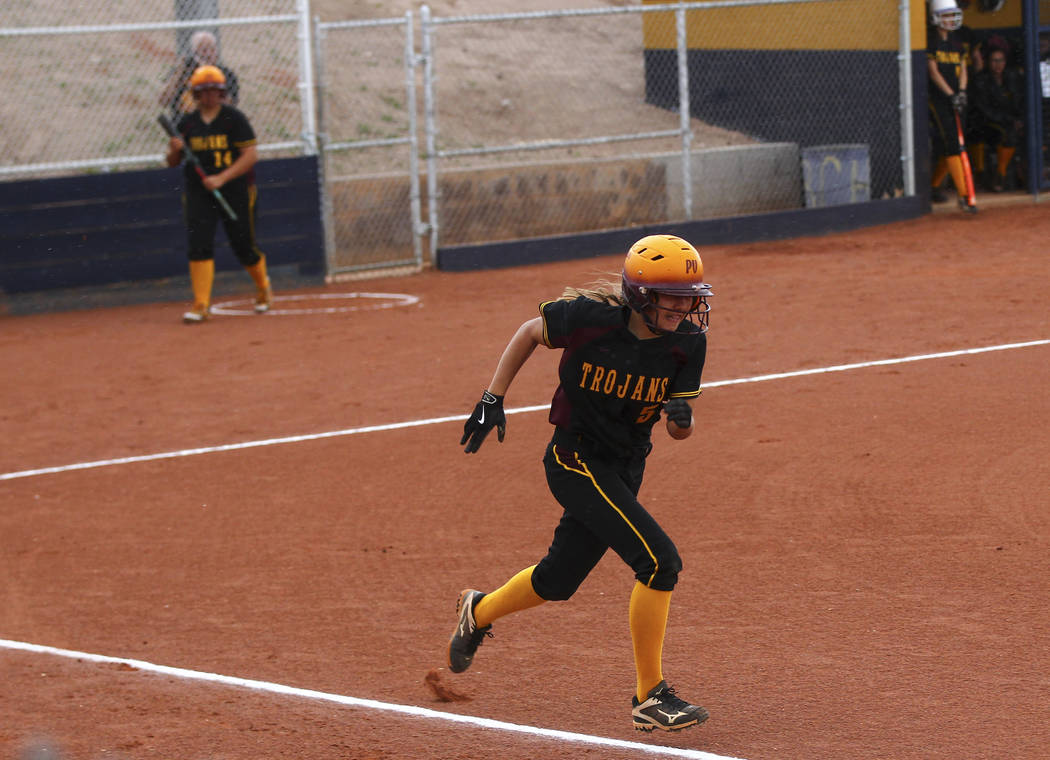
518,410
367,704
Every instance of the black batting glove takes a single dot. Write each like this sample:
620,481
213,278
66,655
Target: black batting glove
678,411
487,414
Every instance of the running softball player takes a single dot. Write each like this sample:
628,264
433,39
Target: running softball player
224,142
627,353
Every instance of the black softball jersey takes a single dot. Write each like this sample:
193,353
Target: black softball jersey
613,384
217,144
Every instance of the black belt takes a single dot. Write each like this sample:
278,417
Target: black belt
588,446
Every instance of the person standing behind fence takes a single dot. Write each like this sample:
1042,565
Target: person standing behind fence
223,140
946,57
997,114
176,96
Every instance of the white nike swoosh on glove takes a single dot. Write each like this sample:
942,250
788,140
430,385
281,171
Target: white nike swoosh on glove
481,417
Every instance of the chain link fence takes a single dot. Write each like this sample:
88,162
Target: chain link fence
369,144
604,118
86,97
445,131
537,124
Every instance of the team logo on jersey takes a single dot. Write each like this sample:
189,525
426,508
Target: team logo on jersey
209,142
608,382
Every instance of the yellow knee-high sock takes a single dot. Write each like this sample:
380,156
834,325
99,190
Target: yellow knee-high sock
202,275
939,171
259,275
648,617
1004,155
513,596
955,168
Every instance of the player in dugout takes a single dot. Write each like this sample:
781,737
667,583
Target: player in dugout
946,66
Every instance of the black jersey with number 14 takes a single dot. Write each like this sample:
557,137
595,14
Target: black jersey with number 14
219,143
613,384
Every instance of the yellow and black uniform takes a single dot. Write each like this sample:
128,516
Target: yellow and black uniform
950,56
612,389
628,356
218,144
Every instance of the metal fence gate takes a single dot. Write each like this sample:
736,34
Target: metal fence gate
368,141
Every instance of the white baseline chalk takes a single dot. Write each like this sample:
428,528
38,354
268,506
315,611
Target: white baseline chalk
367,704
518,410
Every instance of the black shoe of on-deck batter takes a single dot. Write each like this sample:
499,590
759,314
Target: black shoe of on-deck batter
663,709
467,637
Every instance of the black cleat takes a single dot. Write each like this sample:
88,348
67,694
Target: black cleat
664,710
467,637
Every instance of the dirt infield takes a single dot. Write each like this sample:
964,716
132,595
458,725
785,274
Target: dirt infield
866,550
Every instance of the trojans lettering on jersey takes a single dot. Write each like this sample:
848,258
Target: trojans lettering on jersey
606,381
209,142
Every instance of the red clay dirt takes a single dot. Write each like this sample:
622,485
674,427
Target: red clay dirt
866,551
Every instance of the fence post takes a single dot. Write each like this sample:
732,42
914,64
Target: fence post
418,228
306,79
431,131
327,212
906,106
187,10
683,111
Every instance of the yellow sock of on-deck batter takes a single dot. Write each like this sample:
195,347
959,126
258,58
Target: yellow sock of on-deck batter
648,617
202,275
258,273
513,596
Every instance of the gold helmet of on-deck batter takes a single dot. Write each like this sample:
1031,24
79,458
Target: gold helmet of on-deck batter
207,78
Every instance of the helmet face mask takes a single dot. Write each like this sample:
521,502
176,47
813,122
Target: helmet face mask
665,265
945,14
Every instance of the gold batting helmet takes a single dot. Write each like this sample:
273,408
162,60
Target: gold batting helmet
665,264
207,78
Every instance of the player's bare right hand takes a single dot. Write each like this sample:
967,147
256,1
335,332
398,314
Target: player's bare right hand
487,414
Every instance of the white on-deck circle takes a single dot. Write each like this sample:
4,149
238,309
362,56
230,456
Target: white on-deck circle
243,307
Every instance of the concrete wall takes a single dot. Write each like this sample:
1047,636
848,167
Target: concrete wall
537,200
740,179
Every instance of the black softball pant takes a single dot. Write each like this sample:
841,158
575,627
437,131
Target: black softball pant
601,512
944,133
202,213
